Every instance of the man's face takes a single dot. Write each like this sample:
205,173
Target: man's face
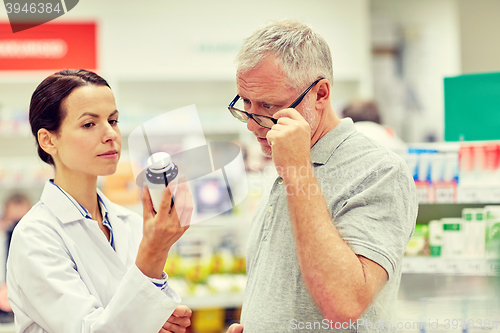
264,91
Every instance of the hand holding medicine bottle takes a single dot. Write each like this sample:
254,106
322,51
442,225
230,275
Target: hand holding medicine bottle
163,228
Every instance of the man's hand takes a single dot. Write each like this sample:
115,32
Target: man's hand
235,328
178,321
290,141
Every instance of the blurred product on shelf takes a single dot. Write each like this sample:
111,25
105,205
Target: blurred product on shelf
207,262
435,173
208,320
212,195
453,238
435,238
14,121
23,172
120,187
213,320
476,234
479,165
475,229
456,173
418,244
492,239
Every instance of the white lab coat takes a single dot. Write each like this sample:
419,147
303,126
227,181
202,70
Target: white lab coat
63,275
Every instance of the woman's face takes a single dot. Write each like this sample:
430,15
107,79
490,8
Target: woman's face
89,140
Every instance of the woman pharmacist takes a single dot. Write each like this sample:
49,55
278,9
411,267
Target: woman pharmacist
78,262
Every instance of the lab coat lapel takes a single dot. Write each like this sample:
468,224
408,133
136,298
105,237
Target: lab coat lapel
121,238
121,232
104,247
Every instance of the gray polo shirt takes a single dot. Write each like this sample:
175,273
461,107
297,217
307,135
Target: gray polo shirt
373,204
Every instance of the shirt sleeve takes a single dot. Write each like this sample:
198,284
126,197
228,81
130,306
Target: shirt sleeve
378,219
162,284
45,287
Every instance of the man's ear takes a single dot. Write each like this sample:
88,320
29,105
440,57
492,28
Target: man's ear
322,94
46,140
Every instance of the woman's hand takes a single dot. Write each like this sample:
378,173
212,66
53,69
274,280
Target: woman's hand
4,302
178,321
162,229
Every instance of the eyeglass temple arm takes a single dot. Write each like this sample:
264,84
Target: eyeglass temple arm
301,97
234,101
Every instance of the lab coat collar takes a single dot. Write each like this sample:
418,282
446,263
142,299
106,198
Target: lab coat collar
68,210
324,148
64,207
116,215
112,208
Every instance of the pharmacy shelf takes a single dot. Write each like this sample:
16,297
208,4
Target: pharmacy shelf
442,266
436,211
478,194
7,328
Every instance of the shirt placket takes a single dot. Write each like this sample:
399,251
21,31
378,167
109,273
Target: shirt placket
271,210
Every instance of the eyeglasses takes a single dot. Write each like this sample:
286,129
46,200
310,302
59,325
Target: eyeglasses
264,121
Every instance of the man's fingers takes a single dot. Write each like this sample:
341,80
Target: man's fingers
278,127
235,328
289,113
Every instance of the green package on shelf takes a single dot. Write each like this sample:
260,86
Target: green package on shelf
471,107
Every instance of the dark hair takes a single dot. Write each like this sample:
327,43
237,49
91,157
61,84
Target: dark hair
362,111
46,102
17,198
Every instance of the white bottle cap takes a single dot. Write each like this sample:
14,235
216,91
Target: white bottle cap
159,161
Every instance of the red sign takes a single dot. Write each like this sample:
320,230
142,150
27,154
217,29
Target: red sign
50,46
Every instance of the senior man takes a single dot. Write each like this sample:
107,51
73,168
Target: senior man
326,244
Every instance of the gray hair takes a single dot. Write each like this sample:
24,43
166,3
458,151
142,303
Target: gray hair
300,52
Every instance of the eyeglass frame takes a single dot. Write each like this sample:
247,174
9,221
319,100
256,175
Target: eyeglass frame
275,121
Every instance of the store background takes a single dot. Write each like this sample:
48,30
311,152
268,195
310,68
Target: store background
162,55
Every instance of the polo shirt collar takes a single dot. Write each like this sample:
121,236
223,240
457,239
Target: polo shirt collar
324,148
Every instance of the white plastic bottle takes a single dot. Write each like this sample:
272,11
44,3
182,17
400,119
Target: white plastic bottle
161,172
453,240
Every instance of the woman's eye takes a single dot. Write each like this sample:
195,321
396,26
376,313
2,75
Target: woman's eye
88,125
268,106
113,122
